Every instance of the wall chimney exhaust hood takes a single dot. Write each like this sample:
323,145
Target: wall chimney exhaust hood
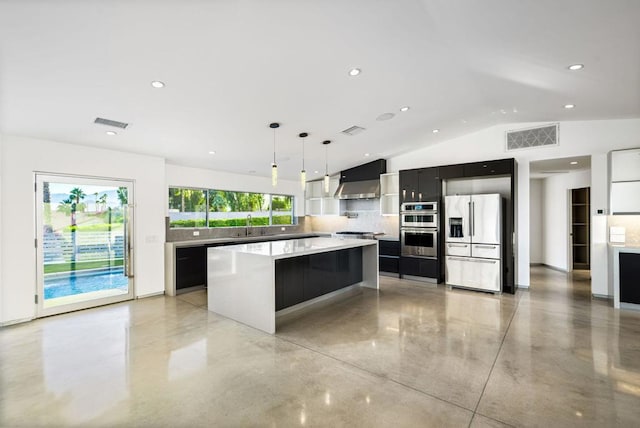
361,182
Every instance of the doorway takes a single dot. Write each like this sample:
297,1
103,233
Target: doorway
84,248
580,228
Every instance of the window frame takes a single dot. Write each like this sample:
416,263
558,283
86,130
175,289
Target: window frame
207,218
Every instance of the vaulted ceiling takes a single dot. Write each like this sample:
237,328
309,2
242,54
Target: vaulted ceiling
232,67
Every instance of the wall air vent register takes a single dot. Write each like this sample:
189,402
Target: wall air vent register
109,122
528,138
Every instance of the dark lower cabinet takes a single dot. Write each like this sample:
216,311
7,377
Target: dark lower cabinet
417,266
320,276
289,281
389,256
303,278
191,267
630,278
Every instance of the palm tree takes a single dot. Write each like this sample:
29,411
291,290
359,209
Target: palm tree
123,196
73,202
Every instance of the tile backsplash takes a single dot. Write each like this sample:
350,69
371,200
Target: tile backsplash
631,225
365,222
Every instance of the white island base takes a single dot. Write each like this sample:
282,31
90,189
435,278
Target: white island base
241,282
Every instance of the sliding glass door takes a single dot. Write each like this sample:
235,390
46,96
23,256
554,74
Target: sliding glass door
84,231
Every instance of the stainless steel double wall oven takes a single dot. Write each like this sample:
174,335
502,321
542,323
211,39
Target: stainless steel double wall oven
419,229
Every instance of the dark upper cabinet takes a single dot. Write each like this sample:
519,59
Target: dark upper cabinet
409,185
420,185
494,167
451,171
367,171
429,185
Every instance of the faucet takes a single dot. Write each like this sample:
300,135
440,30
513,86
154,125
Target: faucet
248,225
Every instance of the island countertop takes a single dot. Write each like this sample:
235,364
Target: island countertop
243,279
296,247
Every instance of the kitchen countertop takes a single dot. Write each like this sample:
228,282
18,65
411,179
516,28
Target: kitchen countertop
296,247
388,238
239,239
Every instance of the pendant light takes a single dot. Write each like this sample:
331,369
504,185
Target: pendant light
303,173
326,165
274,166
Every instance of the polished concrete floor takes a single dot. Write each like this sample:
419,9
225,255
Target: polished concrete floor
408,355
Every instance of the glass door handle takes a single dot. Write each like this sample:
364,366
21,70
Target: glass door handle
128,237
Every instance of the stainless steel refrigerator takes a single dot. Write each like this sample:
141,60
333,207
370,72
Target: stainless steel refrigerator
473,241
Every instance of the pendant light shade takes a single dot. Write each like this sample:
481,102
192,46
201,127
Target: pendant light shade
274,166
303,172
326,165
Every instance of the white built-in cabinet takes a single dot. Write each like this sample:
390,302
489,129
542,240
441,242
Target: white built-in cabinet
625,181
319,202
389,193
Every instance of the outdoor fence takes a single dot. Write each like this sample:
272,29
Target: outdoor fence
90,246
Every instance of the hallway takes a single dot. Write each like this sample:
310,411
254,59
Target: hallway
408,355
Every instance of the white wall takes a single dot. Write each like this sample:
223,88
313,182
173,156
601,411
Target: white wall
182,176
600,284
535,221
21,158
1,237
556,206
577,138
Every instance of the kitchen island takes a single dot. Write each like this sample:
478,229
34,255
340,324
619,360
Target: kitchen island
253,283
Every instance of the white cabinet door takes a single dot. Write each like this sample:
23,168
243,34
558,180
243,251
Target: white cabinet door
625,165
625,198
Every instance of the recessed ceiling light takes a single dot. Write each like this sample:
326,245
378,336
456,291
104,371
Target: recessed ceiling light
354,72
157,84
212,152
575,67
569,106
435,131
111,133
405,108
315,172
574,163
366,155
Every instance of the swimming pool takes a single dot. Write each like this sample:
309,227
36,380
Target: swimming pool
68,284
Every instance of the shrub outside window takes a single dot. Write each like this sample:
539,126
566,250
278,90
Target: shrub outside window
189,207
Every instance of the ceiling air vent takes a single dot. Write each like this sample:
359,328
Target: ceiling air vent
109,122
532,137
354,130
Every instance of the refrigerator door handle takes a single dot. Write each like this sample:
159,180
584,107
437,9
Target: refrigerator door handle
485,261
489,247
470,217
473,219
460,259
458,245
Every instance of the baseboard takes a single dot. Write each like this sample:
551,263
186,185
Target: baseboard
557,269
602,296
19,321
144,296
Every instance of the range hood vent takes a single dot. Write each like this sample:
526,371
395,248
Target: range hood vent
361,182
368,189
